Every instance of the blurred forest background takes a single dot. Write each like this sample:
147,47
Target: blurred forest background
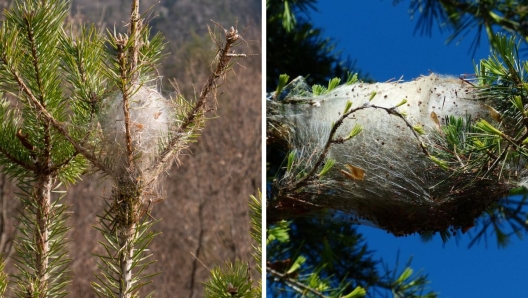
205,211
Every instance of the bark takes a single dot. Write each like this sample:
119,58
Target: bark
42,196
125,260
127,209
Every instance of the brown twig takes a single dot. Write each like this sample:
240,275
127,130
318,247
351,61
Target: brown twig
125,91
15,160
200,107
294,284
135,28
391,111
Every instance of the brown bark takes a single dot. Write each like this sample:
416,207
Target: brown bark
42,196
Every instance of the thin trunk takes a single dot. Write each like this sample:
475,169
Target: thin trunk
42,195
125,260
135,28
127,200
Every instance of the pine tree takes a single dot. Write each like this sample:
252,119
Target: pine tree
32,152
81,98
465,17
292,38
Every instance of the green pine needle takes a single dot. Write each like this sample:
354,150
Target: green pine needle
333,83
318,90
351,78
347,107
278,233
401,103
358,292
231,280
291,159
485,126
255,207
372,95
419,129
357,129
296,265
441,163
283,80
327,166
3,277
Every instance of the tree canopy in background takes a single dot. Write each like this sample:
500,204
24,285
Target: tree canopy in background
463,18
313,251
296,48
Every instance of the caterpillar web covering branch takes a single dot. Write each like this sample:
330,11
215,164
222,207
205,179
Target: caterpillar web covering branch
150,116
385,153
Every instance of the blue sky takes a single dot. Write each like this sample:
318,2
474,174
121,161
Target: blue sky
380,37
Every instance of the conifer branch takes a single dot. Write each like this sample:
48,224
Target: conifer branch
40,86
332,140
65,162
294,284
125,91
135,29
60,127
194,116
15,160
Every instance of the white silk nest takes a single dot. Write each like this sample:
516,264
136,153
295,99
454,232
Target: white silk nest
150,115
402,190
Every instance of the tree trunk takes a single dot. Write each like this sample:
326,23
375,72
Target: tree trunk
128,201
42,233
126,251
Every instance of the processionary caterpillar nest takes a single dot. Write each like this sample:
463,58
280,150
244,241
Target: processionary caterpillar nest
384,174
150,121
